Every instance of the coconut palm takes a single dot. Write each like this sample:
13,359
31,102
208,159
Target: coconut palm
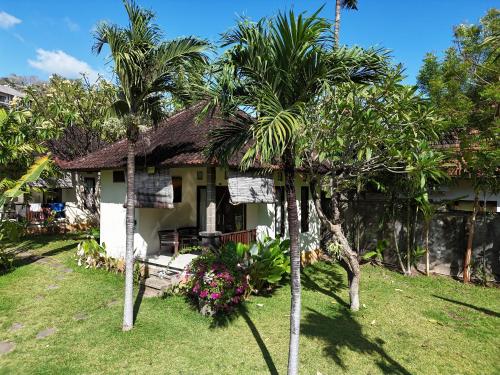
147,69
339,5
273,69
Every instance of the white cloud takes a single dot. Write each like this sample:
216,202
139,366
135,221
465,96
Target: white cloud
72,26
59,62
8,20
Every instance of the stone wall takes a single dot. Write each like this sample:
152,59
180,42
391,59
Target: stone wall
367,222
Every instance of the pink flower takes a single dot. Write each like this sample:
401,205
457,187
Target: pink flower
203,294
215,295
196,288
213,284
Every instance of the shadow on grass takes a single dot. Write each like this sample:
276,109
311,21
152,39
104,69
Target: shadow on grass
224,320
480,309
324,278
343,331
138,300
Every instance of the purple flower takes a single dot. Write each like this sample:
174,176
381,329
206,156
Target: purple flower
203,294
215,295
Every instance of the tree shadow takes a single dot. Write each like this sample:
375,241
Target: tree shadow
138,300
342,331
327,281
480,309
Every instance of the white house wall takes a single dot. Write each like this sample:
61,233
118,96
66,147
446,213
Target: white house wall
113,214
150,220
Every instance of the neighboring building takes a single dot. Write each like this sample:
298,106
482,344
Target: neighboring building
7,94
178,191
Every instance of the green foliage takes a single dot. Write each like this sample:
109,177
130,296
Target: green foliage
267,262
10,232
77,113
376,255
464,88
91,255
147,67
275,69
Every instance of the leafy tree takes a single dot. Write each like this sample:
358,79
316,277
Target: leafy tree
274,69
77,111
464,86
356,134
339,5
147,68
19,147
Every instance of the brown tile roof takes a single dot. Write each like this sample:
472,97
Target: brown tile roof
178,141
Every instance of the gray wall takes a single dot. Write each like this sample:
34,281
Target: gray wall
366,222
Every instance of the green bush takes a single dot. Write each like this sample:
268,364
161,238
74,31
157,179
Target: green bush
10,231
266,262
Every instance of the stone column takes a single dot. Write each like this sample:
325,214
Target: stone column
211,204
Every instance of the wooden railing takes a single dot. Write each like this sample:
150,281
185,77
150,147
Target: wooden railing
244,236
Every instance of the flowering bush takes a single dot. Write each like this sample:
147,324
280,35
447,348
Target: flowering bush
216,287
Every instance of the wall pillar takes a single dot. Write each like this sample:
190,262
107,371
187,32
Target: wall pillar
211,204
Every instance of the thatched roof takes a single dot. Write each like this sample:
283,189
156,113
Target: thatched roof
178,141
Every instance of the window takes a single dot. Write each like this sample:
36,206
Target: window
304,209
118,176
279,213
177,185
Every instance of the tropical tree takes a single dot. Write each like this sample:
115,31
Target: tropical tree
464,87
339,5
147,69
357,134
78,111
20,144
273,70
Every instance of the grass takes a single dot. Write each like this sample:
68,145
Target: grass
406,325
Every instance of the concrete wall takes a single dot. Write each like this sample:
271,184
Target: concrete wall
367,222
150,220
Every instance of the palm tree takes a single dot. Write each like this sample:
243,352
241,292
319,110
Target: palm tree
273,70
147,68
342,4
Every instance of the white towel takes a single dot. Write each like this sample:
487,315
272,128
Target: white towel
35,207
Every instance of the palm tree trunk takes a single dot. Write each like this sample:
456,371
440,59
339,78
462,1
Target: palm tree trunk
293,229
427,255
128,310
408,239
470,240
337,23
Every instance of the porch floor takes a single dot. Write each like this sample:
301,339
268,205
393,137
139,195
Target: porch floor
180,262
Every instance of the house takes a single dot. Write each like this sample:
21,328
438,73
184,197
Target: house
7,94
181,194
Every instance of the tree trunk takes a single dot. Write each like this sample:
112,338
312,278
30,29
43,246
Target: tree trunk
408,240
427,255
470,240
396,240
349,256
293,229
337,23
128,310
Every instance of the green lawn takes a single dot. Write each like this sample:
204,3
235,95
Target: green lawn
406,325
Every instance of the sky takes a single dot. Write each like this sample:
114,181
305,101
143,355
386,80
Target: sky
44,37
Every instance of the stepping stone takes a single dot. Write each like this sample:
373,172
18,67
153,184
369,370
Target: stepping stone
16,326
67,270
45,333
6,347
39,297
52,287
112,303
80,316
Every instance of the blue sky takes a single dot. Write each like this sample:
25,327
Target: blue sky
43,37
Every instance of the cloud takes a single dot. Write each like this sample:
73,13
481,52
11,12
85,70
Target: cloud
72,26
8,20
59,62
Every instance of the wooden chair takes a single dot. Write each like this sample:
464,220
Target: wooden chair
169,241
188,236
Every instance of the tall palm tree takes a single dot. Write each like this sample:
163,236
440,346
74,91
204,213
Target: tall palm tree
339,5
274,69
147,68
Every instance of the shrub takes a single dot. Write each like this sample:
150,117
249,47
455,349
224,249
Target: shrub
267,262
12,231
216,286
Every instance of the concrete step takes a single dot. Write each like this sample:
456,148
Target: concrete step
156,285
